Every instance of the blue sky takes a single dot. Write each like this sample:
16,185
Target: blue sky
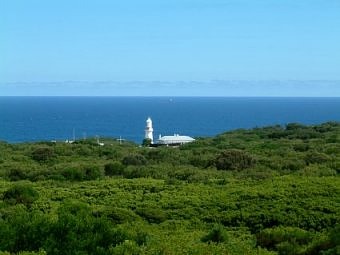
176,42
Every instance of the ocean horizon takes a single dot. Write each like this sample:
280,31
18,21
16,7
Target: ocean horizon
36,118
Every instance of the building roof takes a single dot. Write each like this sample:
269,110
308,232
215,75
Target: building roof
174,139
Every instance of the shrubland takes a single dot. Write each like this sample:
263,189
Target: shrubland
270,190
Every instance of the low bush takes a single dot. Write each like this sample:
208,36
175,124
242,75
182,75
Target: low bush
21,194
301,147
152,215
73,174
81,172
121,215
217,235
134,160
16,174
316,158
114,168
284,238
92,172
295,126
234,160
74,230
42,154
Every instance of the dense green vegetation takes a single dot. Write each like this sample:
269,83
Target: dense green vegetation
271,190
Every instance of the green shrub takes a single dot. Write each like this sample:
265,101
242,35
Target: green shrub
77,231
73,174
121,215
134,160
317,170
217,235
293,164
146,142
152,215
42,154
301,147
114,168
40,252
304,134
73,230
201,161
22,230
295,126
234,160
316,158
21,194
128,247
81,172
334,241
92,172
284,239
278,134
16,174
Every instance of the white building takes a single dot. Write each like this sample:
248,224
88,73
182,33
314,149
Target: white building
149,130
175,139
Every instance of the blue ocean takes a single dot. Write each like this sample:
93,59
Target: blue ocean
57,118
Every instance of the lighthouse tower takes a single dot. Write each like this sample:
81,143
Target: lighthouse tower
149,130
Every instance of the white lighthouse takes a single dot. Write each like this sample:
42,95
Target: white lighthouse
149,130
